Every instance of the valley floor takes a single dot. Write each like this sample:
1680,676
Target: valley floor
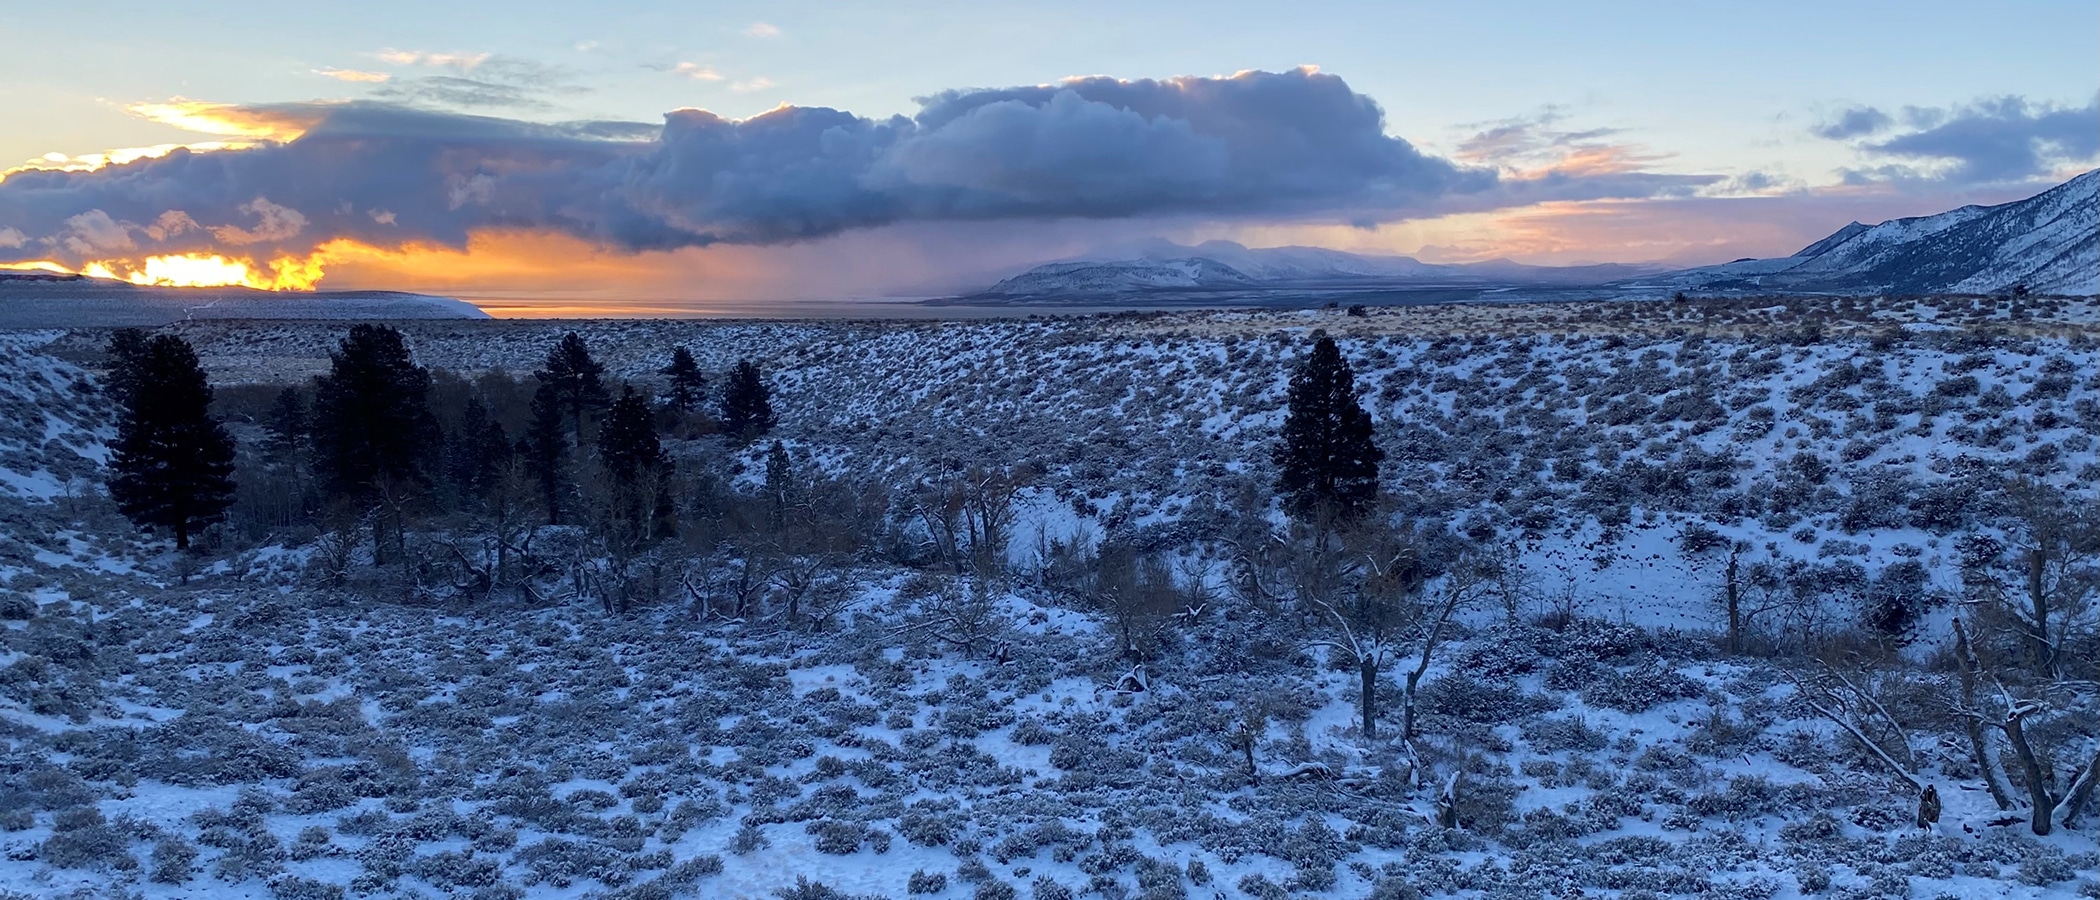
249,729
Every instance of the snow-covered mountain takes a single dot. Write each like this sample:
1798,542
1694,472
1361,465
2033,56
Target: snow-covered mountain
38,300
2050,243
1225,265
1123,276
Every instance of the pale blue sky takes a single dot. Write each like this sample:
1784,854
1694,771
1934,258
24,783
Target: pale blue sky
1669,132
1722,87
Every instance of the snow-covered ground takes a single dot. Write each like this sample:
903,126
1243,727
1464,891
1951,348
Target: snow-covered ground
246,732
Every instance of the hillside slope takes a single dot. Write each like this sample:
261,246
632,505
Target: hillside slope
2048,243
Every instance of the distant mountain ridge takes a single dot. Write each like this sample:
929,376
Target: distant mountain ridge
1229,266
45,300
2048,243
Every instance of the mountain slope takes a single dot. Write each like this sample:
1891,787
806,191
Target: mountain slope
1224,265
2049,243
36,300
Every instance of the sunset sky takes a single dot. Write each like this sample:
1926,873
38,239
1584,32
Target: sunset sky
620,152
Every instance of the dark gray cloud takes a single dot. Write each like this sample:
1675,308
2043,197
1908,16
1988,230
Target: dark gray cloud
1995,141
1290,145
1854,122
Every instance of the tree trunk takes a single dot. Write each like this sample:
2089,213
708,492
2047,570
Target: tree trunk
2038,600
1735,609
182,535
1979,743
1368,667
1407,705
2080,792
2037,782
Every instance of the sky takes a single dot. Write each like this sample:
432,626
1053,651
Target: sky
622,152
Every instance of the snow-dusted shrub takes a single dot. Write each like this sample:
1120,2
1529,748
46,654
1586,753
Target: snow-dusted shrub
689,872
453,869
928,824
1750,796
1812,877
835,836
313,842
81,839
561,862
1467,699
748,838
1031,731
16,606
1047,888
1257,886
173,859
1555,735
924,882
1638,689
294,887
993,890
2046,865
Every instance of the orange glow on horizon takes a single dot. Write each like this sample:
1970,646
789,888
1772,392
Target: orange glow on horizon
36,265
285,273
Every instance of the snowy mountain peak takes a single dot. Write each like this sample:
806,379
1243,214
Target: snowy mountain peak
1838,237
2048,243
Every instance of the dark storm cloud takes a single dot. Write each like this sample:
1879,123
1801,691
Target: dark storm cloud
1855,122
1294,144
1995,141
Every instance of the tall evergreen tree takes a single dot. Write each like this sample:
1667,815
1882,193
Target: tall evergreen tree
687,384
577,380
780,473
372,424
1328,459
628,444
476,451
127,365
633,456
747,404
173,461
545,447
286,426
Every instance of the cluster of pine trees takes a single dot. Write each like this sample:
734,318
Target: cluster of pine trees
380,443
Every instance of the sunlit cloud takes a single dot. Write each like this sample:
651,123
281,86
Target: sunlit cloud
762,30
270,123
697,72
88,162
355,76
753,84
462,61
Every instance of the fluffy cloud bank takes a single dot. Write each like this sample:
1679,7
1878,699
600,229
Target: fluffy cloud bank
1297,145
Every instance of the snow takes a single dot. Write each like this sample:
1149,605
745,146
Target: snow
503,714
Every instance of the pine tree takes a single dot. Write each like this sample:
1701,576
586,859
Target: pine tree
747,405
127,362
476,452
633,457
780,475
286,426
372,424
173,462
577,380
1328,459
687,384
545,447
628,444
